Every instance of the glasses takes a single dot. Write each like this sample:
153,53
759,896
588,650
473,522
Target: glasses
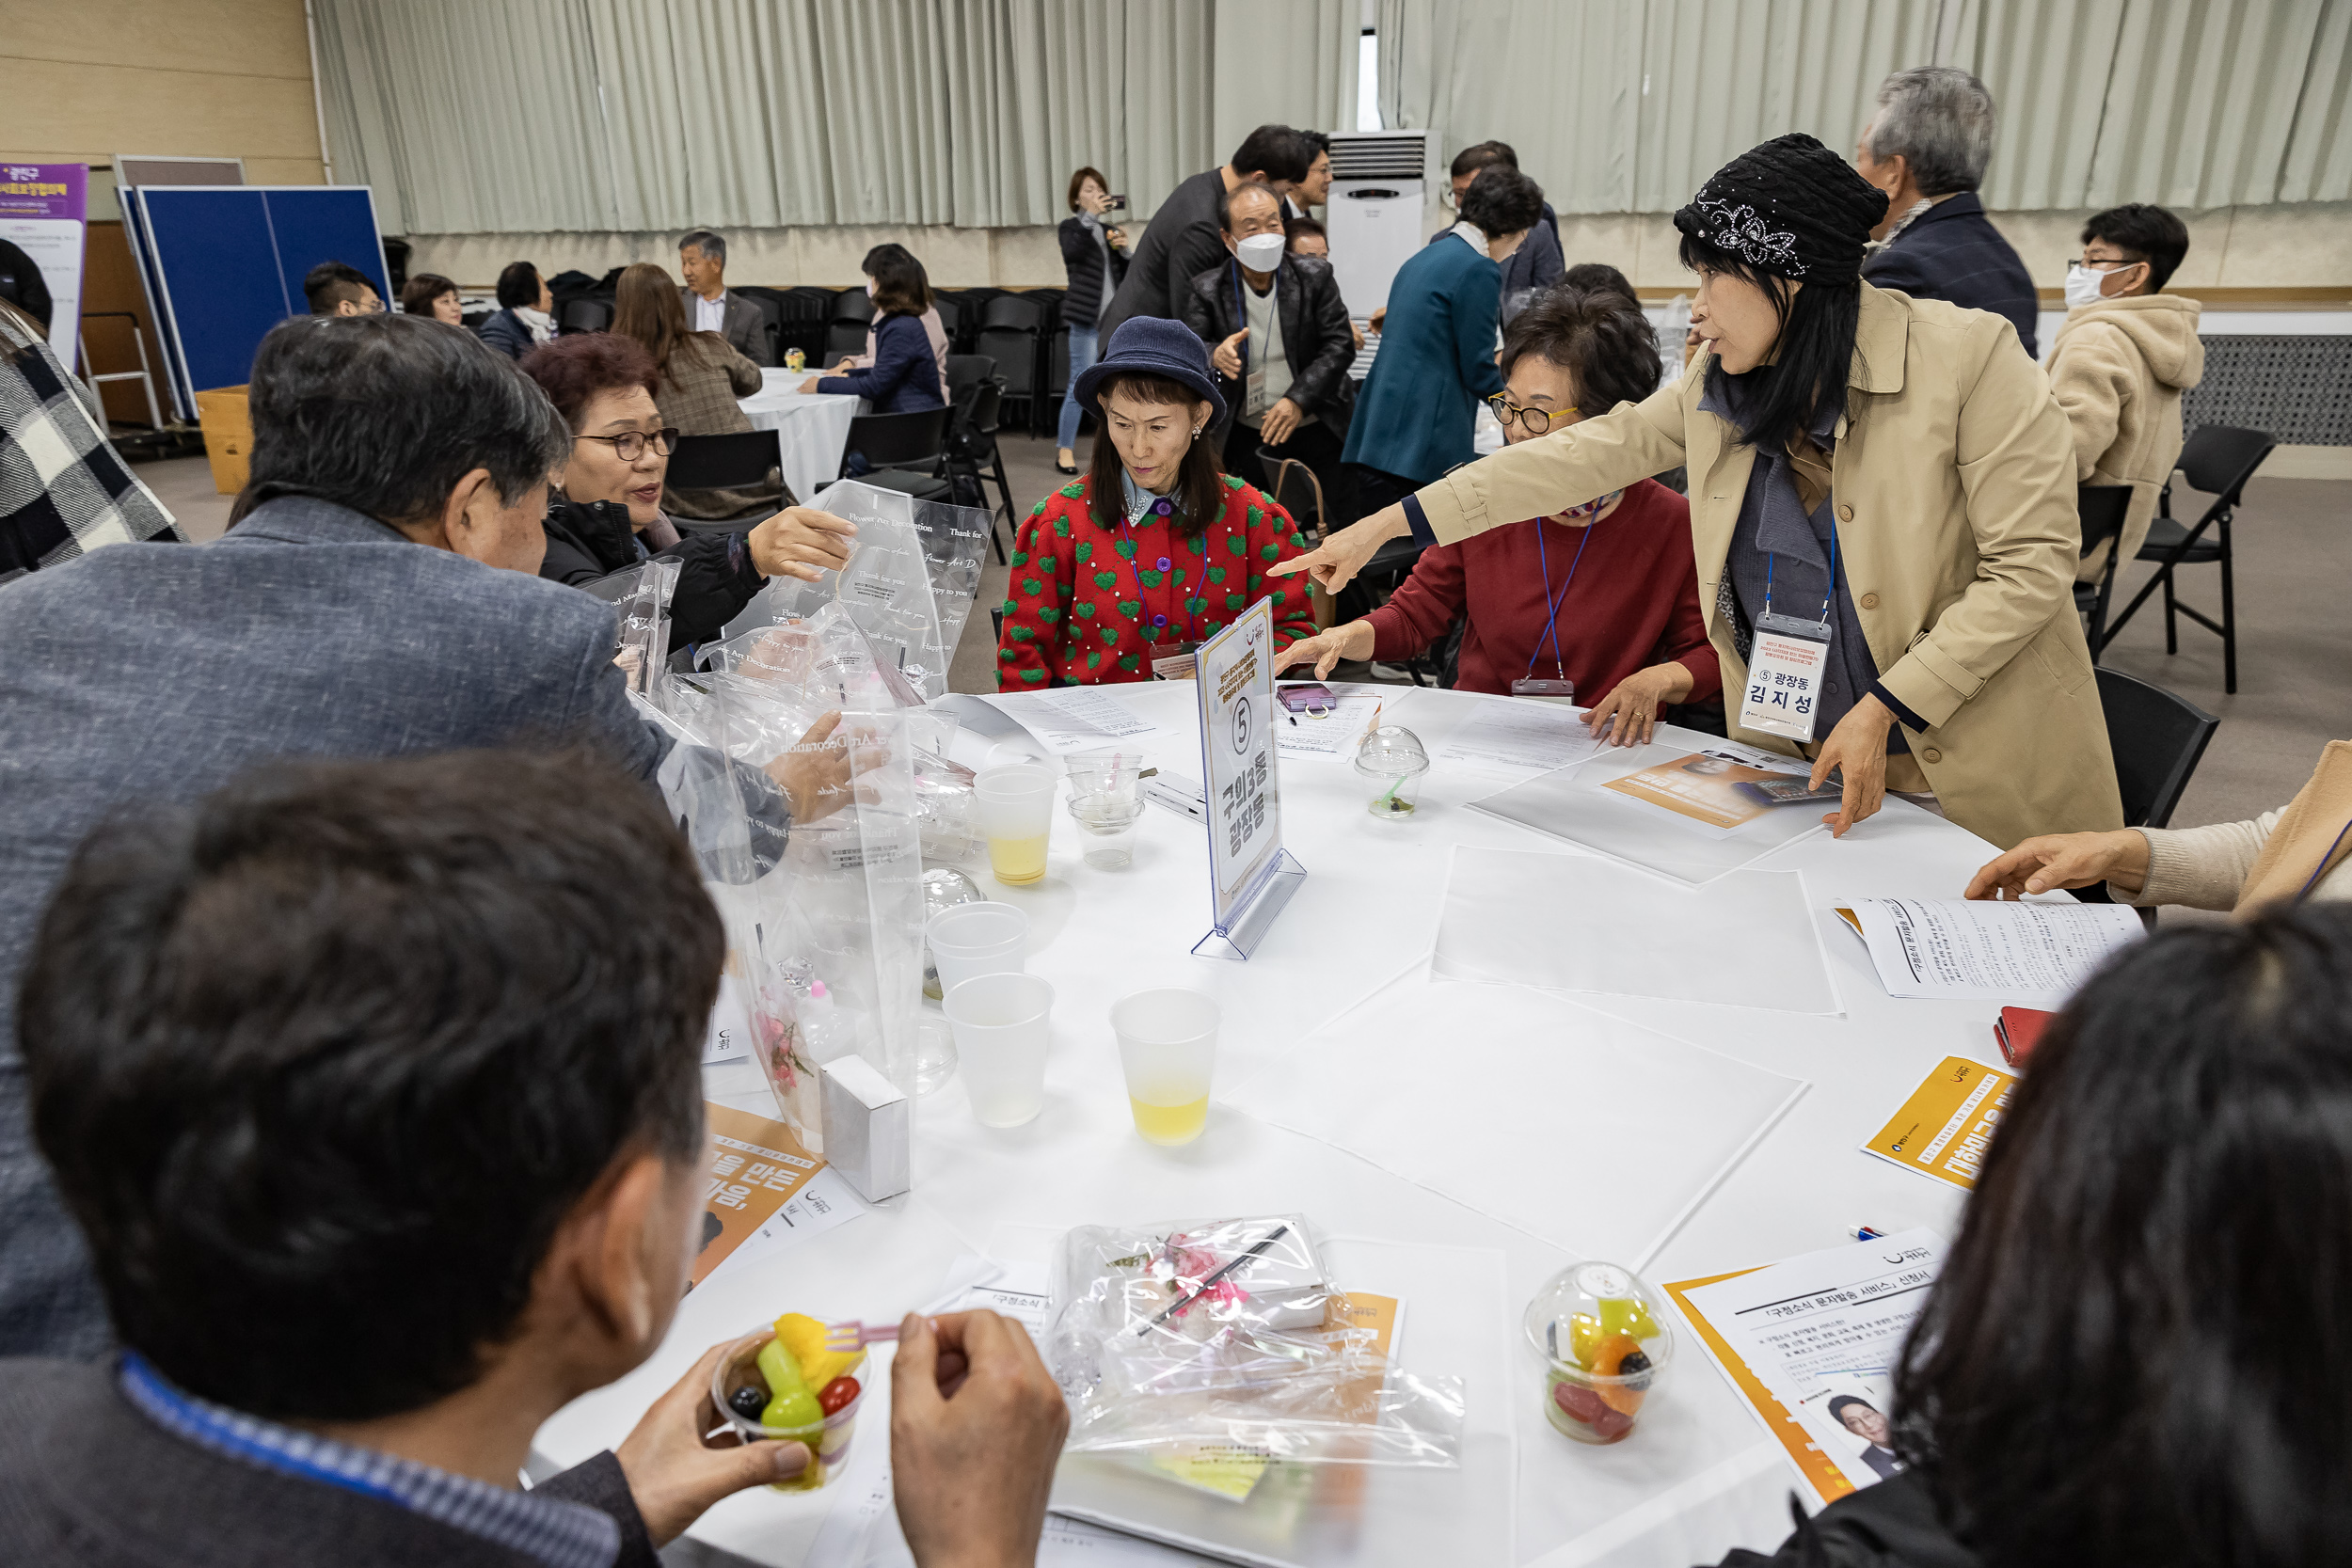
630,445
1537,421
2088,261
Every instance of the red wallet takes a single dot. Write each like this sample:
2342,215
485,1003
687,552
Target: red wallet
2017,1031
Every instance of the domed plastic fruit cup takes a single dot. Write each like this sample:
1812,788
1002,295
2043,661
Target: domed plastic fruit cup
1603,1339
828,1440
1393,758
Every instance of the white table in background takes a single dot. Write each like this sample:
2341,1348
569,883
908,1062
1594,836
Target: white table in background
812,428
1699,1475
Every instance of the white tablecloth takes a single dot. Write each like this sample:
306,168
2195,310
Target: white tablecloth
1698,1476
812,428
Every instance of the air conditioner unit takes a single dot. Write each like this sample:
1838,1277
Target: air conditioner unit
1379,190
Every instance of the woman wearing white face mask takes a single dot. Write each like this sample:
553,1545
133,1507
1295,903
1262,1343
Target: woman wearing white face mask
1280,337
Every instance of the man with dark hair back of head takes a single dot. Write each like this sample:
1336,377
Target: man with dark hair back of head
526,314
2121,361
339,289
1597,276
378,598
1927,147
1182,240
388,1141
712,307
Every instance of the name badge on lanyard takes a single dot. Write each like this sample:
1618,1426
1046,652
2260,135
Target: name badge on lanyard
1788,663
1253,402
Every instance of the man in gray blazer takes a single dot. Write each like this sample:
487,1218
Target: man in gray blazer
381,600
712,307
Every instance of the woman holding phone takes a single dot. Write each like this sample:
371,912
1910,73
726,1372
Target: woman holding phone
1094,254
1882,514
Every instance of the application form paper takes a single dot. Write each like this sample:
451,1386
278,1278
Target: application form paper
2027,955
1818,1330
1336,734
1517,733
1074,719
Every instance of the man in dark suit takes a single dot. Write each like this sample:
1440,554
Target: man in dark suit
1927,147
712,307
1182,239
381,600
376,1086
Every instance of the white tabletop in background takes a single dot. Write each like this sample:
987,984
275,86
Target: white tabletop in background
812,428
1699,1475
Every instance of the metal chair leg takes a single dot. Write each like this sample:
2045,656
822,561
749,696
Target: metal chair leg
2171,626
2229,612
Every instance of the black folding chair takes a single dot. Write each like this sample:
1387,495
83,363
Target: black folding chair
903,452
852,317
1011,326
1292,486
949,314
733,462
974,399
2101,508
770,302
584,315
2157,739
2217,459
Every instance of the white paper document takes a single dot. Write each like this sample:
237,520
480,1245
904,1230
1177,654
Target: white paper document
1825,1330
1600,926
1515,733
1073,718
2027,955
1473,1092
1335,734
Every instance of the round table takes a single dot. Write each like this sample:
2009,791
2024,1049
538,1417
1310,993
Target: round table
812,428
1698,1476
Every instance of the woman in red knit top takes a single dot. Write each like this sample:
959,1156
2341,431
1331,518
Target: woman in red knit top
1606,595
1154,551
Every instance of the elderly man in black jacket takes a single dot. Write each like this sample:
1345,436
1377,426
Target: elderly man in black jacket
1927,147
1279,340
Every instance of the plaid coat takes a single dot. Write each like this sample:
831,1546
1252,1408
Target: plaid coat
697,397
64,490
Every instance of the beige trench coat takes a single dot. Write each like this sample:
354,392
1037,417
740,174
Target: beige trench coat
1954,483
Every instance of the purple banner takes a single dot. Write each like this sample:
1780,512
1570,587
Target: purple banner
43,211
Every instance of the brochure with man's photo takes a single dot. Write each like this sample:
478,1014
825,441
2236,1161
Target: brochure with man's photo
1723,789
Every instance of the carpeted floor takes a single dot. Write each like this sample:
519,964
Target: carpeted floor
2294,540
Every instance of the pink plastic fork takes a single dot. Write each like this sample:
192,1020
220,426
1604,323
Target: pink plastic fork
843,1338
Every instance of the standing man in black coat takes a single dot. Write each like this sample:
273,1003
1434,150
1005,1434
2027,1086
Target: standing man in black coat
1181,241
1279,340
1927,148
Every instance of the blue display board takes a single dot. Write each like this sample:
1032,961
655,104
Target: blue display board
225,263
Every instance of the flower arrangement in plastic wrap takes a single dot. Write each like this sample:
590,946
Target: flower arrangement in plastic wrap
1229,1337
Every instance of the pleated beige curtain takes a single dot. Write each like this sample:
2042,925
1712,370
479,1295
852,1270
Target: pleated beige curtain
1627,106
648,115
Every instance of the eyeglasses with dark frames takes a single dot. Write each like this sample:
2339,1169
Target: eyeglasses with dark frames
630,445
1537,421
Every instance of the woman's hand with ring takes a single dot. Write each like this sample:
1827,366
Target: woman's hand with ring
1629,714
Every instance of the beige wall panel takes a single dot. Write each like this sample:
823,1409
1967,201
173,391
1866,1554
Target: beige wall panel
1613,238
2287,248
232,37
158,111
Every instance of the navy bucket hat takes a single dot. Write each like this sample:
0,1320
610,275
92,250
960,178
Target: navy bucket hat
1153,345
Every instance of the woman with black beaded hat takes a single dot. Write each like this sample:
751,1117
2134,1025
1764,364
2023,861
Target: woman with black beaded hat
1881,513
1155,549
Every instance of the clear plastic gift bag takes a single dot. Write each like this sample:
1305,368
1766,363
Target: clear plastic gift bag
641,593
1229,1337
910,583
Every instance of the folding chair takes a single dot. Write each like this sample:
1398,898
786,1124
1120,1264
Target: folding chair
2101,508
736,461
2218,459
903,452
2157,739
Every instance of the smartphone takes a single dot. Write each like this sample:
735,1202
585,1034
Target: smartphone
1306,697
1118,203
1787,792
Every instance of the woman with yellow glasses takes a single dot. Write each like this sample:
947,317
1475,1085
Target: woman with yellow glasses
1601,598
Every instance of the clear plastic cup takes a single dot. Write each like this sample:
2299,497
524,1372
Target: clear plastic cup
1003,1024
1604,1339
973,940
934,1053
1017,819
1167,1050
828,1440
1109,830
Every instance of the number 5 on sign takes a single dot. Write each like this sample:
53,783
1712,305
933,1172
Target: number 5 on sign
1250,876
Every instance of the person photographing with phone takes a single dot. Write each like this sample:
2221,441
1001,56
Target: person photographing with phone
1882,514
1094,254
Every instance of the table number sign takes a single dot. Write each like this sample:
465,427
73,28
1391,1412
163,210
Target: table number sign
1250,875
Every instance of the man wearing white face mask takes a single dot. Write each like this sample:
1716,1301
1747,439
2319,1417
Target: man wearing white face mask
1281,343
2121,361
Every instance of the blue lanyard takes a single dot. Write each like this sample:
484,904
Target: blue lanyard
1552,608
2305,891
1827,593
229,1440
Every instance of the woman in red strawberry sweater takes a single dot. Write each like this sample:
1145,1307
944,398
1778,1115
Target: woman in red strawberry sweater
1154,551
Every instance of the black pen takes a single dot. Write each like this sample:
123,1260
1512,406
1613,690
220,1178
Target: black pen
1174,1307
